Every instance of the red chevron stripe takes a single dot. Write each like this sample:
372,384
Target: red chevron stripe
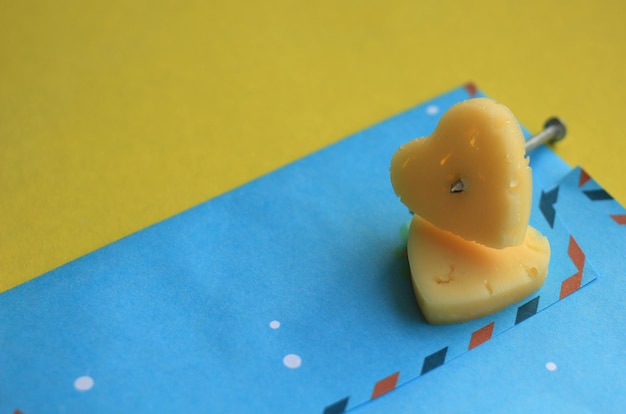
481,336
619,218
573,283
584,177
385,385
471,88
576,254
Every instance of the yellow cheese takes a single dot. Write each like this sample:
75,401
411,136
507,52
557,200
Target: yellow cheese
478,142
456,280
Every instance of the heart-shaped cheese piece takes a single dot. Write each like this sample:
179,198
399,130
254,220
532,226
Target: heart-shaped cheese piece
456,280
479,147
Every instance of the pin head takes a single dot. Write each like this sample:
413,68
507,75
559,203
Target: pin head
558,126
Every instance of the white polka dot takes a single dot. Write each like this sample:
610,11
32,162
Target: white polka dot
274,324
292,361
551,366
432,110
83,383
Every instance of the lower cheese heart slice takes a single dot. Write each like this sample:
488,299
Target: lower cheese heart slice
456,280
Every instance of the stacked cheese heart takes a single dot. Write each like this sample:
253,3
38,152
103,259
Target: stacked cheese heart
470,247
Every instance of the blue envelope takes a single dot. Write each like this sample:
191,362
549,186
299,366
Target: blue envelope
291,294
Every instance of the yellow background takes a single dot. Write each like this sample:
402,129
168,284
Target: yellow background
117,114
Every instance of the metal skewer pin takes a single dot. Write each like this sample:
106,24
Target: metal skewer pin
553,130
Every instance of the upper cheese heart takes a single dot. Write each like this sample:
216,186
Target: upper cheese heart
479,144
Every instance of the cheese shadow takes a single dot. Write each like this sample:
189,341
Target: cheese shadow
399,288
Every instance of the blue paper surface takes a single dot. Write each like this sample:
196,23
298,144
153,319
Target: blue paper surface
285,295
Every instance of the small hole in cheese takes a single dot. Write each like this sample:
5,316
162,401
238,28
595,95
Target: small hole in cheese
488,286
445,159
445,278
532,272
